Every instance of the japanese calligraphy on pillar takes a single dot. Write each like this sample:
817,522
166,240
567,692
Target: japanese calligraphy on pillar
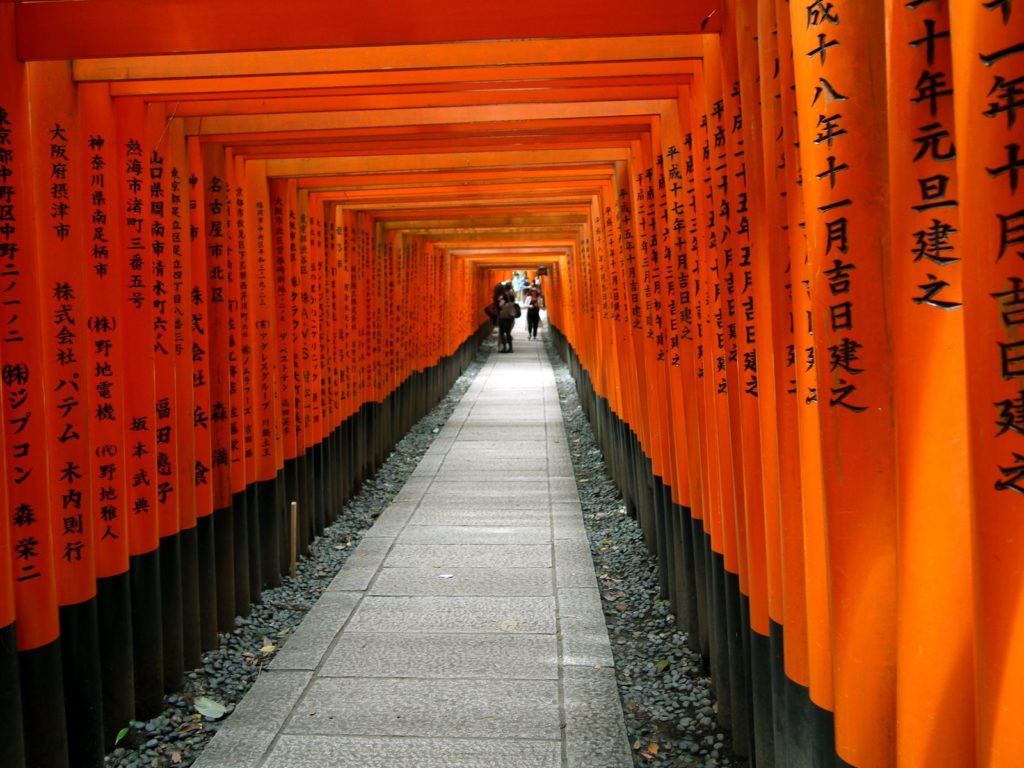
105,367
163,346
67,377
21,375
834,206
216,305
628,248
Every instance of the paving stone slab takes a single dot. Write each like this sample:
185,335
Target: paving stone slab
522,615
469,556
595,734
345,706
522,657
351,579
582,627
370,552
481,516
310,641
474,534
377,752
496,582
246,736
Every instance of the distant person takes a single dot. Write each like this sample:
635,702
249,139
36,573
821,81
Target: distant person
533,303
507,314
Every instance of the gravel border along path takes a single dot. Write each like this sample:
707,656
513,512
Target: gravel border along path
666,694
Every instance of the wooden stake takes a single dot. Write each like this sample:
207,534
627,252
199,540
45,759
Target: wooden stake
294,538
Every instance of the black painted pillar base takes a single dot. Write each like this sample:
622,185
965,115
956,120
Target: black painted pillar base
191,617
12,742
117,657
224,552
171,613
147,634
83,688
240,515
206,545
42,707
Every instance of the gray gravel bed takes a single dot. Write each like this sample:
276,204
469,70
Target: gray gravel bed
176,737
666,694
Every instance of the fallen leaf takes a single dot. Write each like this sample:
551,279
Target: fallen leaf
175,757
621,607
209,708
509,625
268,648
653,748
662,665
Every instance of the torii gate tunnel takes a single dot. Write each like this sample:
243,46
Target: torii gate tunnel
244,245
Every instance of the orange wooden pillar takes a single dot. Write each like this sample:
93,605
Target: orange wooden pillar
191,500
108,425
57,154
841,127
33,546
934,673
269,495
210,260
198,343
140,399
988,63
757,361
167,479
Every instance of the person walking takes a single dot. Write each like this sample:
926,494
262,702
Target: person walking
507,314
532,313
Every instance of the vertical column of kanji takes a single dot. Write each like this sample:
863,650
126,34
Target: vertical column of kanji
691,296
179,277
988,80
723,561
777,379
140,410
242,214
23,349
842,141
264,352
105,382
280,241
212,256
741,74
934,705
167,479
57,155
239,353
197,341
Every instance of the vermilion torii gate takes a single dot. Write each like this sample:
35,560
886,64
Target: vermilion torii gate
784,243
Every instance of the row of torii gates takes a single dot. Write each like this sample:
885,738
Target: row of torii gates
244,245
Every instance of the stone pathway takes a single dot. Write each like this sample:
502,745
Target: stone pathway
466,629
